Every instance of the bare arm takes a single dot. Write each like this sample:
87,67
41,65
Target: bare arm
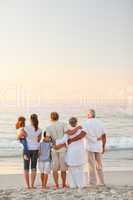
104,140
72,132
39,138
78,137
59,146
39,152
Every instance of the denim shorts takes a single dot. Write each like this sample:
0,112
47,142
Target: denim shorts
31,163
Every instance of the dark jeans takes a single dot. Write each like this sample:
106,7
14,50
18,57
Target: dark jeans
31,163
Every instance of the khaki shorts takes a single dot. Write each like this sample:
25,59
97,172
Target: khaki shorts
58,161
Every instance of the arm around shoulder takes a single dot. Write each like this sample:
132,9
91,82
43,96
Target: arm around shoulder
78,137
72,132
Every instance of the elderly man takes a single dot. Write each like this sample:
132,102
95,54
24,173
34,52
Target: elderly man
95,145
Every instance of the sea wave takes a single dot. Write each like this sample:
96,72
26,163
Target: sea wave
11,148
118,143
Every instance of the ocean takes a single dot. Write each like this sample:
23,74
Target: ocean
117,118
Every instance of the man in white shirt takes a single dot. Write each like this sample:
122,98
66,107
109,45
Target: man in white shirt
95,145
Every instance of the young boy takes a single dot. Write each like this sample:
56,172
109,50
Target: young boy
44,163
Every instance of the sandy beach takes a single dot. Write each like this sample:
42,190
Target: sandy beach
106,193
119,185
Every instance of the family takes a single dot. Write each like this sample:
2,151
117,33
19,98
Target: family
63,148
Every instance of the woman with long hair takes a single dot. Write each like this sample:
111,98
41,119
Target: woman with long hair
33,139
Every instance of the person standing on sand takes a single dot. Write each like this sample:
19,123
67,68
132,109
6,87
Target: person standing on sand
95,145
44,161
33,138
75,155
56,131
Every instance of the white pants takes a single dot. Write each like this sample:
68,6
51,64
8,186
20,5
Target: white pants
76,177
44,167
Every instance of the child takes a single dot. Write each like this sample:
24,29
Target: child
44,163
21,135
75,156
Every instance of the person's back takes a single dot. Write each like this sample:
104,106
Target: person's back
95,145
78,142
32,137
56,131
94,130
44,151
76,151
75,158
44,163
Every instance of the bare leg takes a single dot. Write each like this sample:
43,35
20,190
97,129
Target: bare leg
26,176
33,177
63,176
55,175
42,179
45,180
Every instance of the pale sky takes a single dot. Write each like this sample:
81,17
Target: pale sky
70,48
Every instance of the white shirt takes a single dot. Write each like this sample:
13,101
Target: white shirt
32,137
94,129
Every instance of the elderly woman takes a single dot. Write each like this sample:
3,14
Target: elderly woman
75,156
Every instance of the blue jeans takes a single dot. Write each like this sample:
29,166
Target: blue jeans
25,145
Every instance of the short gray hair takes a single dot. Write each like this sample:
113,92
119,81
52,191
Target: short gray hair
93,112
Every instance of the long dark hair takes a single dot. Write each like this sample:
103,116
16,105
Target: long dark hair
34,121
